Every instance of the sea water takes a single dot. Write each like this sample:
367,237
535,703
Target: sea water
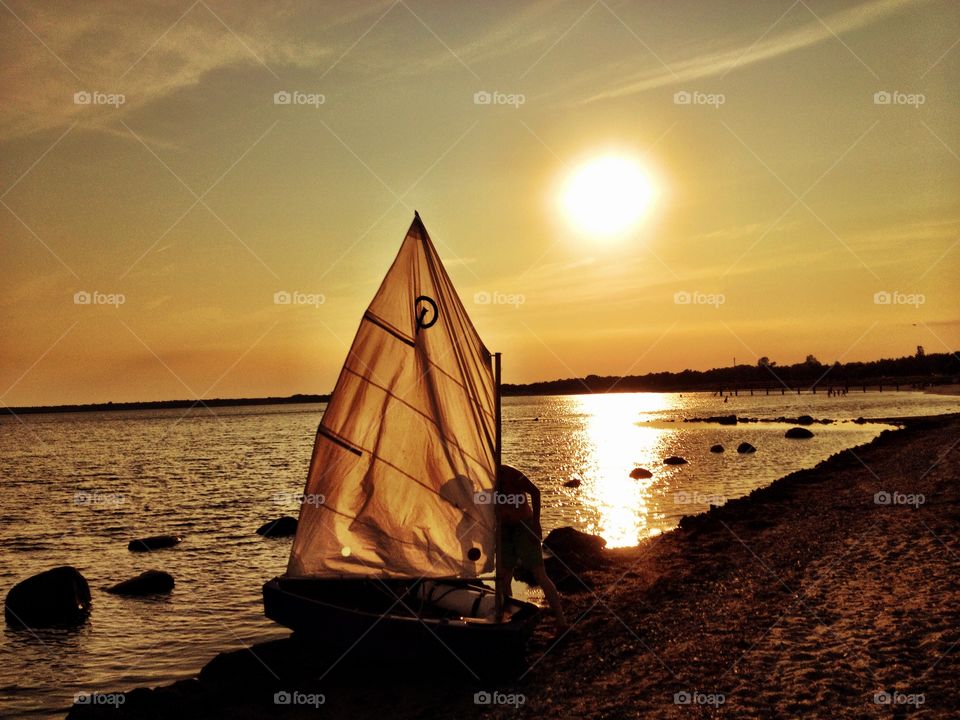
78,486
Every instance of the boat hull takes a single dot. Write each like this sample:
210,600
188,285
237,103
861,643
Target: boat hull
385,620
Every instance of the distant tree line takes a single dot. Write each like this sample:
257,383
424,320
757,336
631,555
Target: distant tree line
919,369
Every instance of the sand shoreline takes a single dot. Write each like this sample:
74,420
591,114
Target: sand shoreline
810,597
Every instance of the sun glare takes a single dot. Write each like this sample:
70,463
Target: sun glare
608,195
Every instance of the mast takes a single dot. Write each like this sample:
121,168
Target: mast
500,592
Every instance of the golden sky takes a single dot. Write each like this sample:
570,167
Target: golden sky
805,158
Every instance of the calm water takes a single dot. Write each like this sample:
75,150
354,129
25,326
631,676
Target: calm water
215,478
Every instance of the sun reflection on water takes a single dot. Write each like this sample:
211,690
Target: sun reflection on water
614,444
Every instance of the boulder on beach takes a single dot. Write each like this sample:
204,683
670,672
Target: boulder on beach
154,542
283,526
57,597
640,473
745,447
716,448
574,483
573,552
146,583
804,420
674,460
575,548
798,433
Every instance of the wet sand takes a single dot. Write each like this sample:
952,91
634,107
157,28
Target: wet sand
813,597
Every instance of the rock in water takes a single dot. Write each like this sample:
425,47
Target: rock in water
60,596
155,542
283,526
674,460
574,483
148,583
798,433
745,447
716,448
640,474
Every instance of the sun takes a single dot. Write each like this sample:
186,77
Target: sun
608,195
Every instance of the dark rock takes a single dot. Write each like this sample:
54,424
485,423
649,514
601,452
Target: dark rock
574,483
155,542
674,460
860,421
147,583
798,433
577,550
640,474
57,597
283,526
727,419
804,420
716,448
745,447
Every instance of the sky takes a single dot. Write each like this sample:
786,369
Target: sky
168,168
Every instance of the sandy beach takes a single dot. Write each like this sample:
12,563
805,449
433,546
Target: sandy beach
831,593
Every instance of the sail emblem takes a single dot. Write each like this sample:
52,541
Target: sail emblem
425,306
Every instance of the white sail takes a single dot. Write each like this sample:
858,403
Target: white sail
403,460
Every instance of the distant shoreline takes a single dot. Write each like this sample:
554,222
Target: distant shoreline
576,386
168,404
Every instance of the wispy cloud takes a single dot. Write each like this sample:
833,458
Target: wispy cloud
716,63
147,52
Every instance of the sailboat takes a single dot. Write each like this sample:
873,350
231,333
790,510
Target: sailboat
398,527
